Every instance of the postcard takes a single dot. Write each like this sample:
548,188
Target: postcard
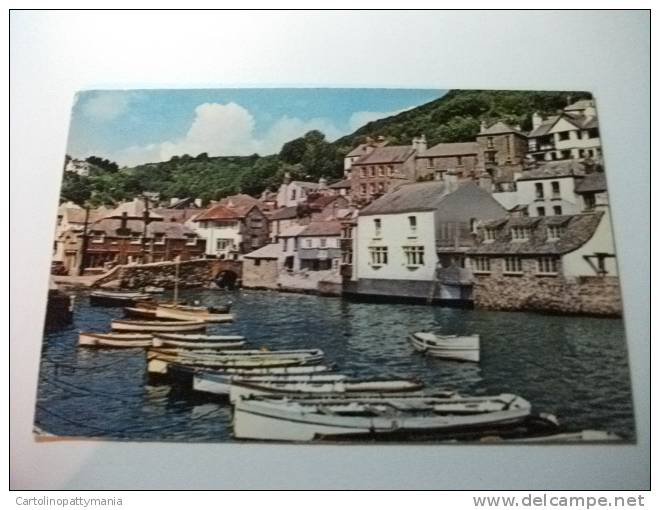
334,265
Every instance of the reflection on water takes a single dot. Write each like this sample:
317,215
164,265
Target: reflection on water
573,367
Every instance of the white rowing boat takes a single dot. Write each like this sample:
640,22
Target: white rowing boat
114,339
219,382
160,326
222,345
116,298
245,388
305,419
463,348
182,313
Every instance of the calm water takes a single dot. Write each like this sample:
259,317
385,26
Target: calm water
573,367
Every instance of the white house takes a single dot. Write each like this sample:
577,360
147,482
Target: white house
405,237
292,193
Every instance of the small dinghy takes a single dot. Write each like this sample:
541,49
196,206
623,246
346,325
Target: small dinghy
114,339
197,308
217,379
215,342
180,312
116,298
463,348
245,388
164,326
220,383
399,417
132,312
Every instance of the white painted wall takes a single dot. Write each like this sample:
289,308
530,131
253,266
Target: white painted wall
573,263
569,201
211,232
395,233
315,242
507,199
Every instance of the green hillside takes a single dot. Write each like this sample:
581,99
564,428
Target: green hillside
455,117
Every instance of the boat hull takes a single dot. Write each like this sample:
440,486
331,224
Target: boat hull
467,349
114,340
158,326
221,383
118,299
178,314
288,420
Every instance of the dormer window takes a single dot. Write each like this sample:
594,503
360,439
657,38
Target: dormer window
159,238
191,240
412,222
489,235
520,234
555,232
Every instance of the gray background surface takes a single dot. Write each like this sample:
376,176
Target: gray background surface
55,54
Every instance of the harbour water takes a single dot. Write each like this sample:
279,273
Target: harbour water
573,367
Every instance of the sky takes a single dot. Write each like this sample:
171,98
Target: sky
140,126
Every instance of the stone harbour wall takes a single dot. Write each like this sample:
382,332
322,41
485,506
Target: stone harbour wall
192,273
589,295
260,273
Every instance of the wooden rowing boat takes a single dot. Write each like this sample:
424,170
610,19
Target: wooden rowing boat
229,343
90,339
219,382
116,298
245,388
159,326
177,312
306,419
455,347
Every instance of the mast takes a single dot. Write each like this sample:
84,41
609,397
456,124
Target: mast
176,280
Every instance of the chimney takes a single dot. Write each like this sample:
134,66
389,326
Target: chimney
323,183
419,144
173,200
482,126
451,181
124,220
198,202
536,120
287,178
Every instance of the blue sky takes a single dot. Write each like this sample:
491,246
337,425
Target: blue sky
140,126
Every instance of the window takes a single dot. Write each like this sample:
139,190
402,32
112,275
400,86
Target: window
347,257
372,171
159,238
412,221
363,189
513,265
602,269
378,255
565,154
136,238
223,244
285,244
459,160
390,170
593,133
490,142
308,243
564,135
540,211
557,210
381,171
519,233
377,227
429,163
538,190
324,242
578,135
363,172
555,232
191,241
489,235
414,255
257,262
480,264
548,265
555,189
293,194
256,222
98,238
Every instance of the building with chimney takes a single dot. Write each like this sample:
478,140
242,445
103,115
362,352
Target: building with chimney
572,134
461,159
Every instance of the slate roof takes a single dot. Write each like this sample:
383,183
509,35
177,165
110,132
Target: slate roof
171,230
285,213
269,251
579,105
323,201
133,209
554,170
592,183
578,229
292,231
578,120
321,228
451,149
242,203
500,128
77,215
179,215
344,183
221,212
359,150
387,155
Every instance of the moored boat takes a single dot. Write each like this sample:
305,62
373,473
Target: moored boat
306,419
114,339
116,298
455,347
137,312
197,308
219,382
180,313
158,325
245,388
234,342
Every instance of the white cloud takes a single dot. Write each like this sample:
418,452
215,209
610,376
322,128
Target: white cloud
105,106
226,130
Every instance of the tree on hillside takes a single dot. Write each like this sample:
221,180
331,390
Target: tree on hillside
104,164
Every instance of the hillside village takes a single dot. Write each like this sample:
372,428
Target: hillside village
512,220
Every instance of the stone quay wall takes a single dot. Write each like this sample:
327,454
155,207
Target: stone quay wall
588,295
192,273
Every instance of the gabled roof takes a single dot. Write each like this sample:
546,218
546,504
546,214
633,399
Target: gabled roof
269,251
220,212
500,128
344,183
77,215
323,201
242,203
578,120
292,231
179,215
359,150
133,209
321,228
451,149
579,105
171,230
387,155
577,230
554,170
285,213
